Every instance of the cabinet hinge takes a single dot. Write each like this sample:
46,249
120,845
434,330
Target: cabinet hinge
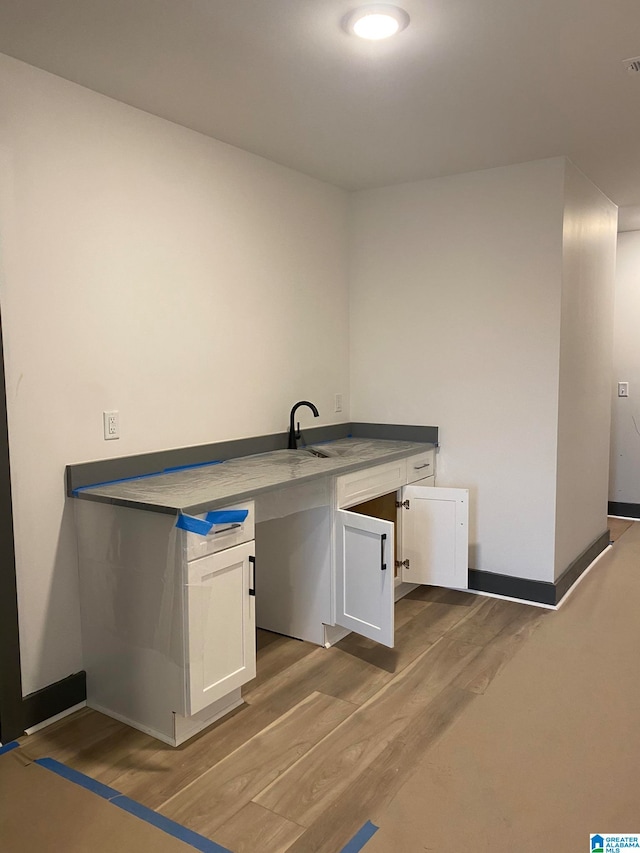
402,564
404,504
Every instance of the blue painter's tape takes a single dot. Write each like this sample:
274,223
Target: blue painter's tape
193,525
72,775
188,467
227,516
202,526
79,489
198,842
361,837
9,746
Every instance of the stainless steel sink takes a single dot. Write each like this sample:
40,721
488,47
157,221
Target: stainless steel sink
294,457
313,451
324,451
327,451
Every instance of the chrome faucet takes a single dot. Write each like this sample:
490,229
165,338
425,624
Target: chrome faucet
294,434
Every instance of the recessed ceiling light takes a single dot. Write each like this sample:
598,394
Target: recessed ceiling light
376,22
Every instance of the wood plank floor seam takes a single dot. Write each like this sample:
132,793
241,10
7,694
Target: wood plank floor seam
379,782
376,695
262,734
254,828
325,771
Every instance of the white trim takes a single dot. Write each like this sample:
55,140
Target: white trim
121,718
33,729
582,576
510,598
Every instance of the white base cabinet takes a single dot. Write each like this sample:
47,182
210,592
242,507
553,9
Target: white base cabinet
168,618
294,564
315,596
432,549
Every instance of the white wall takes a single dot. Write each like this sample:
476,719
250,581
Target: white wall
586,339
624,484
455,321
198,289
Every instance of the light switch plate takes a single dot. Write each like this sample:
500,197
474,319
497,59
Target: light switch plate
623,389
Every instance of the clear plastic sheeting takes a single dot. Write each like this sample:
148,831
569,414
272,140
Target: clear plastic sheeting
215,519
280,503
205,487
293,560
222,533
151,619
130,577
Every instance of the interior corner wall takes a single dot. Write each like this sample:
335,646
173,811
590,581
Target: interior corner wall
624,483
586,335
455,321
196,288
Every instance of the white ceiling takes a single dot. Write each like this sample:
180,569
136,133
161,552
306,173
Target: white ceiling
469,84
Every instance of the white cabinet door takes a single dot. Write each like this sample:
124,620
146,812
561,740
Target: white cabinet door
365,576
435,536
220,625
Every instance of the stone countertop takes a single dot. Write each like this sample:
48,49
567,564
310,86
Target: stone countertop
210,486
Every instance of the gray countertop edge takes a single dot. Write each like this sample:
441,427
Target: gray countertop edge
336,470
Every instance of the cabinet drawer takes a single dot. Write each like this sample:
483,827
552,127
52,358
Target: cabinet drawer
421,465
370,482
222,536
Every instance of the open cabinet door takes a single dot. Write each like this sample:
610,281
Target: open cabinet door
365,576
435,536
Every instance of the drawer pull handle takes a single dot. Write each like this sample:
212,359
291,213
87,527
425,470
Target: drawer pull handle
224,529
418,467
383,565
252,563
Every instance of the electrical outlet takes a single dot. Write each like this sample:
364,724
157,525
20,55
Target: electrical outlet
338,404
623,389
111,424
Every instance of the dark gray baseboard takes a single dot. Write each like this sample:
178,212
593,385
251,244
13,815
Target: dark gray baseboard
143,464
528,590
43,704
53,699
542,592
624,509
575,569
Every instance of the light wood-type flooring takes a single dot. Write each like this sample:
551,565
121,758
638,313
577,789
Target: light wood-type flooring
326,736
617,527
